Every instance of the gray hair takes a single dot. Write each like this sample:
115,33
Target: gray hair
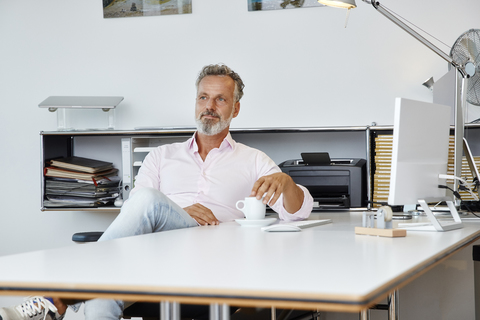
222,70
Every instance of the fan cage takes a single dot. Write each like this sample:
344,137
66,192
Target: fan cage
467,49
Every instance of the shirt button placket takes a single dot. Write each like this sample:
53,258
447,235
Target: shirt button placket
202,182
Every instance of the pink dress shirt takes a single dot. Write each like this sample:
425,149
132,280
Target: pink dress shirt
226,176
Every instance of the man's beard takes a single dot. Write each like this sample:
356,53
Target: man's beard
208,126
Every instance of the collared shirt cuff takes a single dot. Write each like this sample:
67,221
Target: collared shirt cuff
302,213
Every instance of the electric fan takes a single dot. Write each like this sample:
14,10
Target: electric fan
467,49
466,52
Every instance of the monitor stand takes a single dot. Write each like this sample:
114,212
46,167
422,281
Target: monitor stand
437,225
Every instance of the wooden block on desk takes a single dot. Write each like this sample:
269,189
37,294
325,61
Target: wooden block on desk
381,232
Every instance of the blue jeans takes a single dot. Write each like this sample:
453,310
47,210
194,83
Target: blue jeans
147,211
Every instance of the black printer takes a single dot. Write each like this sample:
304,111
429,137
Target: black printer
333,183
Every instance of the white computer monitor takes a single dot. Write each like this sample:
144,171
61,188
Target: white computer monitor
420,153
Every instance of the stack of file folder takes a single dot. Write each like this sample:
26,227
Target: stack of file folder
80,182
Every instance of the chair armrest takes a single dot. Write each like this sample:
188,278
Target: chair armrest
86,236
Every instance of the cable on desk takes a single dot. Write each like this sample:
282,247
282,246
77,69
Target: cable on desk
459,197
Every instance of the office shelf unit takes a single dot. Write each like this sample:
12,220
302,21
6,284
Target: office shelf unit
126,149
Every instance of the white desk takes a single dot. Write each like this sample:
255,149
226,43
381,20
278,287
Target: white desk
326,267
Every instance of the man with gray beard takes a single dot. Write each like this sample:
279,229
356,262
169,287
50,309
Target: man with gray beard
197,182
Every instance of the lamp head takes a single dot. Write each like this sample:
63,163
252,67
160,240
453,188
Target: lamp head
347,4
429,83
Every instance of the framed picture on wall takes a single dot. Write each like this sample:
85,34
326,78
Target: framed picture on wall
257,5
140,8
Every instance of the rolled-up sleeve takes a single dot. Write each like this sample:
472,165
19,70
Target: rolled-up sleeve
267,167
302,213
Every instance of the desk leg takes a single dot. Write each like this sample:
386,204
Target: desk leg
169,310
393,313
219,311
476,278
391,306
365,314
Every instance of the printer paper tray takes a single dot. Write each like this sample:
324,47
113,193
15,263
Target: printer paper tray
331,202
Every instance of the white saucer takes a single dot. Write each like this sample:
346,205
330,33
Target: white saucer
255,223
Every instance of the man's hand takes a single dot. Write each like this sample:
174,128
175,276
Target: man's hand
272,186
201,214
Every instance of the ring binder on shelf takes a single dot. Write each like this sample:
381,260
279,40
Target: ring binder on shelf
126,167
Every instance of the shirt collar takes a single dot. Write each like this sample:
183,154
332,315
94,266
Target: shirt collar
228,142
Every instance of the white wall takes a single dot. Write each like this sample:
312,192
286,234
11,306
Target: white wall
301,68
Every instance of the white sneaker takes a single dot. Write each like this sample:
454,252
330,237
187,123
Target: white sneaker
34,308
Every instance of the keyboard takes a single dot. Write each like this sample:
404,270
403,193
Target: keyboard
285,226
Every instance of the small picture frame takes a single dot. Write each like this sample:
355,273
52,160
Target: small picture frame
141,8
260,5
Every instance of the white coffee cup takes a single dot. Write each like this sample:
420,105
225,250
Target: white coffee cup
252,208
